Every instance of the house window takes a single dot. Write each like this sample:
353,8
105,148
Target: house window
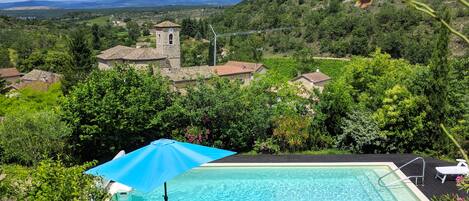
170,39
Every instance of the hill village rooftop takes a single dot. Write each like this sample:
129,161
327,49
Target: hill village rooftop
166,58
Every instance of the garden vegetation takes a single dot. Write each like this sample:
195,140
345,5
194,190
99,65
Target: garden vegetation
392,97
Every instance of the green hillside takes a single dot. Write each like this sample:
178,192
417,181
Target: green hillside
337,28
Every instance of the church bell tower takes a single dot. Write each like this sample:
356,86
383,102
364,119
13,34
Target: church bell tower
168,43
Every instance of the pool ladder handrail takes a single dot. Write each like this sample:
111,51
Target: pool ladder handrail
422,176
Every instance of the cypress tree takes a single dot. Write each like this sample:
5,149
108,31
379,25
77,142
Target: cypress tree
437,91
82,59
4,58
96,37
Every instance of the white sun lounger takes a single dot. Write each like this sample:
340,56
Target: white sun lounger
113,187
460,169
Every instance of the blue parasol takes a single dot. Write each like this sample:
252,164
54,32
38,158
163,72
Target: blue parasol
151,166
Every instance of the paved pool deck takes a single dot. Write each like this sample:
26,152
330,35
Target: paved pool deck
431,188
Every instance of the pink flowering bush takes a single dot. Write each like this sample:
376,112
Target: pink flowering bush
197,135
463,183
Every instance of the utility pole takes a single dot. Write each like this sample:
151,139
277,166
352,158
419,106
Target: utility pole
214,46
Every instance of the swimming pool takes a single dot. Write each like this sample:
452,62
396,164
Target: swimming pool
285,182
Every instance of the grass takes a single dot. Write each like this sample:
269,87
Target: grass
99,21
318,152
287,66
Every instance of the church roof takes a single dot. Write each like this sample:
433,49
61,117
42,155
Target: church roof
129,53
167,24
117,52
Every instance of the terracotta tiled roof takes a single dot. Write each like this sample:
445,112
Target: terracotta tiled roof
314,77
254,66
195,72
231,70
42,76
167,24
9,72
129,53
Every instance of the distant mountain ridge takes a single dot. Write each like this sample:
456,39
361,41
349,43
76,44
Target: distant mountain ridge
109,3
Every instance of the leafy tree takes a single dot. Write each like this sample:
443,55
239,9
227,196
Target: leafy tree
114,110
58,62
194,53
246,49
34,61
418,45
53,181
134,31
360,134
82,60
336,102
145,31
27,138
304,59
23,46
233,119
370,78
127,19
402,119
95,32
188,28
5,61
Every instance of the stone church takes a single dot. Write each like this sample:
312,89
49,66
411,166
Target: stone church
167,57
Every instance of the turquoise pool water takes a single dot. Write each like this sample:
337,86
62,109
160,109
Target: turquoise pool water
279,184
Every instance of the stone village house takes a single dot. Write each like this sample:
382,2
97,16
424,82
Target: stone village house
167,57
310,81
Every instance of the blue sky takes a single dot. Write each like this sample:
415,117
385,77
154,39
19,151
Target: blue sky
8,1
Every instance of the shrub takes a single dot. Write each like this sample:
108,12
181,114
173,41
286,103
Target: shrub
12,178
292,132
463,183
267,146
197,135
447,197
53,181
360,134
29,99
27,137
